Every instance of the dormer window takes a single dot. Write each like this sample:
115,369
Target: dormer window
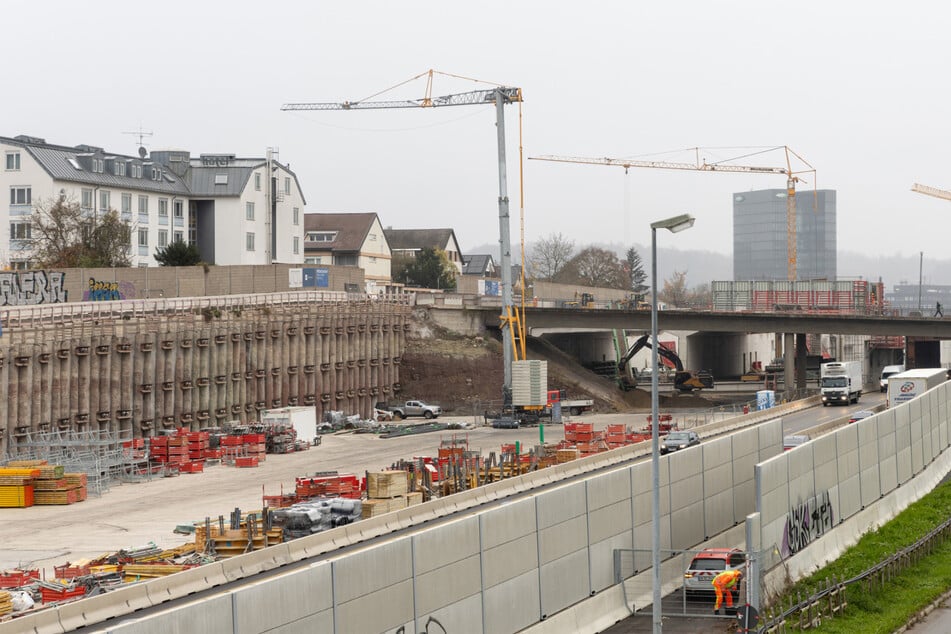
98,165
321,236
221,179
156,174
136,170
119,168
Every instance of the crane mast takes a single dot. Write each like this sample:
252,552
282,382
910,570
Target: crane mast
498,96
702,166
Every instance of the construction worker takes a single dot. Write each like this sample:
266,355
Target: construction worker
726,581
937,310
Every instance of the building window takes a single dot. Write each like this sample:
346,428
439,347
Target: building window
287,185
177,208
156,174
312,260
143,237
104,199
372,259
179,236
13,161
192,236
321,236
87,199
163,237
296,216
249,213
296,244
21,195
249,241
119,168
163,207
221,179
143,205
136,170
20,230
127,203
257,181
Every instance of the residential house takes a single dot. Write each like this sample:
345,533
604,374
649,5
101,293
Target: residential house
409,242
482,265
237,211
343,239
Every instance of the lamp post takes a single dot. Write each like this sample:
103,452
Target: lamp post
674,225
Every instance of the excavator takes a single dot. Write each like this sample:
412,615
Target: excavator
684,380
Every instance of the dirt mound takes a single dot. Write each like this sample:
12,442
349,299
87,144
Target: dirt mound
464,374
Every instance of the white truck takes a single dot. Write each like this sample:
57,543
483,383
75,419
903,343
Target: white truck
904,386
303,419
840,382
887,371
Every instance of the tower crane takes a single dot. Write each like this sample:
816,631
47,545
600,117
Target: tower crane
792,177
499,95
931,191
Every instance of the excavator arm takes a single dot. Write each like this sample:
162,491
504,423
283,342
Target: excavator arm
684,380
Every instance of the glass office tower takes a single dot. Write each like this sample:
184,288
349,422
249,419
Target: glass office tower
759,235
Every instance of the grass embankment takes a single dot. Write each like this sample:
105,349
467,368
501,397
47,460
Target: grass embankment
886,610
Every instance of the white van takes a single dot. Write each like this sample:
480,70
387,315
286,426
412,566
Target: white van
887,371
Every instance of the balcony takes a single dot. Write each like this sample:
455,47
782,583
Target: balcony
179,222
163,220
21,210
143,218
126,216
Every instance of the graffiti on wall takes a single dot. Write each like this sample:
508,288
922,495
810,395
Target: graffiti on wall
107,291
807,522
32,287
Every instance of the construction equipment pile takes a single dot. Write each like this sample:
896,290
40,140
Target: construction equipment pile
316,515
24,483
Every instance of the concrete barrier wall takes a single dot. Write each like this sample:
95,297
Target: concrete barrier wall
804,494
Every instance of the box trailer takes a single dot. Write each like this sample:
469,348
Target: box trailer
303,419
904,386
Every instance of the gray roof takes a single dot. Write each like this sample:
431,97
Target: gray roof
478,264
401,239
55,160
198,180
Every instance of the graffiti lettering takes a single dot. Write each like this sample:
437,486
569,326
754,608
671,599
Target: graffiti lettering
432,621
32,287
807,522
105,291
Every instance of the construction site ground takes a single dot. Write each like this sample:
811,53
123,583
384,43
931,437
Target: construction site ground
134,514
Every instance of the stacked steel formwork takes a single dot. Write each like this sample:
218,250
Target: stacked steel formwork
844,297
149,366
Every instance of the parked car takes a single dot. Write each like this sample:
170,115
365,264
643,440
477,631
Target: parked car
676,440
791,442
859,415
707,564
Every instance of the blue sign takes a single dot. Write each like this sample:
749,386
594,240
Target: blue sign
493,288
316,278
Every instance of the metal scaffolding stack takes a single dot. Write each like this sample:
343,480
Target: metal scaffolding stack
98,454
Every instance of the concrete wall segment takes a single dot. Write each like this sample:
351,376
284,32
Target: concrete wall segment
462,616
561,504
503,524
513,605
609,521
211,616
561,539
564,582
508,560
283,600
361,573
444,545
385,608
609,489
447,585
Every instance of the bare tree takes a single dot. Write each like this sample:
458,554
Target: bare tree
62,236
675,290
595,267
549,255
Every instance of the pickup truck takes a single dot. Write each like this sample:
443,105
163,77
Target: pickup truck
415,408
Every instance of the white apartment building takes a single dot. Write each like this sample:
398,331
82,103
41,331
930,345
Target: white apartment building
236,210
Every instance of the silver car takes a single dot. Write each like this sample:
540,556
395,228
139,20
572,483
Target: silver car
677,440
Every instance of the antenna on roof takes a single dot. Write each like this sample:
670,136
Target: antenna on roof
141,134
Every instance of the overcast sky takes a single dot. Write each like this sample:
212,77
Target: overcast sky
854,88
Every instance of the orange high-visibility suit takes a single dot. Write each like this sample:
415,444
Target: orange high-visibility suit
724,583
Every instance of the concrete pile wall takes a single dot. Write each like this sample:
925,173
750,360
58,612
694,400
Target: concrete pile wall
199,368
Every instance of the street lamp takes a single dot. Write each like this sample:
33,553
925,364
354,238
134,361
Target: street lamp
674,225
